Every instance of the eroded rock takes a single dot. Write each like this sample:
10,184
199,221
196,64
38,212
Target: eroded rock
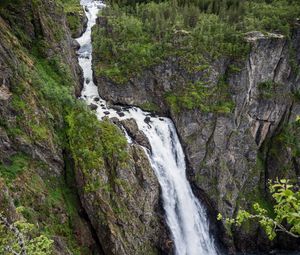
137,135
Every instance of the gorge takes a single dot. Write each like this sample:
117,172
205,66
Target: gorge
186,218
131,138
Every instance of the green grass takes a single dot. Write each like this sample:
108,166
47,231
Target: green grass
17,165
201,96
74,13
268,89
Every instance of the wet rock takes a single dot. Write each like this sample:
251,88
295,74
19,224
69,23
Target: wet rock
147,120
97,99
117,108
121,114
106,112
93,107
75,45
137,135
87,81
115,120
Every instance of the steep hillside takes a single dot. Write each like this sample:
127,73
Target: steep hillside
67,181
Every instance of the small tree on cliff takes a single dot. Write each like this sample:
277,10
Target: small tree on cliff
286,209
20,238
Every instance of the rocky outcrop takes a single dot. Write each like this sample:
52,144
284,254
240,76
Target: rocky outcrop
44,22
125,209
230,155
137,135
77,21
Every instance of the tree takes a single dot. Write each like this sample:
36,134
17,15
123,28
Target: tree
286,210
20,238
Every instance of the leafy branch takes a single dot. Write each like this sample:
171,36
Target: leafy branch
286,209
21,238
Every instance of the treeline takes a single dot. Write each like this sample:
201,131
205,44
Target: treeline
139,33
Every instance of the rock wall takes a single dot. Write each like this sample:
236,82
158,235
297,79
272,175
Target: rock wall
39,180
126,210
34,179
231,155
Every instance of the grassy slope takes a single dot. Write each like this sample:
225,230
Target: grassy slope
42,100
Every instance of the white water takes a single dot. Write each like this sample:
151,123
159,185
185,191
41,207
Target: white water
185,216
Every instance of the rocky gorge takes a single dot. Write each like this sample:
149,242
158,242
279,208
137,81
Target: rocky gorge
231,156
80,183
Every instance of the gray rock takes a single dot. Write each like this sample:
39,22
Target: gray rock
93,107
121,114
137,135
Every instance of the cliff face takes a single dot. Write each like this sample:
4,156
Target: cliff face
125,210
36,184
231,155
42,181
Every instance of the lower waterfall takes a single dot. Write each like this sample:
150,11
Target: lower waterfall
185,216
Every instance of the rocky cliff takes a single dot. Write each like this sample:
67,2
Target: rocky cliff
231,151
36,182
101,207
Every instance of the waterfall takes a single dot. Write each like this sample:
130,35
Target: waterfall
185,216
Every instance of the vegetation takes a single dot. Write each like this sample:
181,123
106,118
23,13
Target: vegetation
289,137
136,35
18,164
149,33
42,88
202,96
74,13
21,238
139,34
267,89
286,210
94,144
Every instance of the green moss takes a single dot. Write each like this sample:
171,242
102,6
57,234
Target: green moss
74,13
199,95
149,106
18,164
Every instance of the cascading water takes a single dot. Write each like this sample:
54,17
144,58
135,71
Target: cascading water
186,217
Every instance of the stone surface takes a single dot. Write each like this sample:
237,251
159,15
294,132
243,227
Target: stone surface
33,167
138,136
125,209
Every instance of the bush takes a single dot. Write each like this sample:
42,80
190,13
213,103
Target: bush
137,38
94,144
